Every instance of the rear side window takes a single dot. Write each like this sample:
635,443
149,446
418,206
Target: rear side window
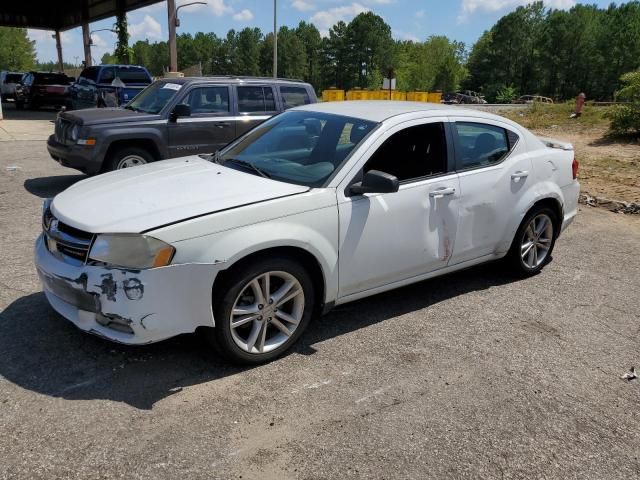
256,100
294,97
412,153
90,73
133,75
481,145
208,100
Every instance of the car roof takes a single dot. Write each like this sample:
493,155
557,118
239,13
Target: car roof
381,110
233,79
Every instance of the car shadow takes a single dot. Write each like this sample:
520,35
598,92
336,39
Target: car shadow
42,352
10,112
46,187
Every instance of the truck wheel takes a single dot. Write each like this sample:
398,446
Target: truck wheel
127,157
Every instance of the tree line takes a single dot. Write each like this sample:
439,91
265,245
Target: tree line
532,50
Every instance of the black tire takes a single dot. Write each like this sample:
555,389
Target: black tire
115,159
515,259
223,301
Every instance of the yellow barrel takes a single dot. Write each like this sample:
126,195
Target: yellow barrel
358,94
435,97
333,95
418,96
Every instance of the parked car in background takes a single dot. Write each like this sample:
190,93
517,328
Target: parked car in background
8,83
528,99
463,97
319,206
107,86
39,89
172,118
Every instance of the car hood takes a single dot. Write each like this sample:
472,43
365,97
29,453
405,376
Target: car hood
146,197
96,116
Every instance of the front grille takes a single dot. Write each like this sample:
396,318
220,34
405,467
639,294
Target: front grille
63,130
65,241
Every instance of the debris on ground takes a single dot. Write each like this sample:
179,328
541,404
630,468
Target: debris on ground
630,375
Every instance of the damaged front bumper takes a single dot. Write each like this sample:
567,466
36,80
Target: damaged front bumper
128,306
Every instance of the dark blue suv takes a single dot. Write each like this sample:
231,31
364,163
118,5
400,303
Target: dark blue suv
107,86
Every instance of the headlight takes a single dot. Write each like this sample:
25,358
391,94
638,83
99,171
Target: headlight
131,251
74,132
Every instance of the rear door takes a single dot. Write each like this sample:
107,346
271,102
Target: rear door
256,103
210,126
494,169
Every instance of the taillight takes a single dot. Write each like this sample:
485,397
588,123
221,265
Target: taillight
574,168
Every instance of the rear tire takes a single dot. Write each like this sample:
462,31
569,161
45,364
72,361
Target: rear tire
127,157
533,243
261,310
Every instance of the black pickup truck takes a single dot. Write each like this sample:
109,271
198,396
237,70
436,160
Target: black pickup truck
171,118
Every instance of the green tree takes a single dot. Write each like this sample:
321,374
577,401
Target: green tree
122,52
312,42
17,52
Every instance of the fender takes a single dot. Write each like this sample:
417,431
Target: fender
114,133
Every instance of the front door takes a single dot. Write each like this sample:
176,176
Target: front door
210,126
494,170
387,238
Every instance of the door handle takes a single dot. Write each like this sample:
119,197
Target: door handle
222,124
441,192
519,174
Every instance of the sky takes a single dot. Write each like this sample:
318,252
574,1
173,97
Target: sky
462,20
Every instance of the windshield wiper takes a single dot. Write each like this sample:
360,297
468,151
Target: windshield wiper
248,165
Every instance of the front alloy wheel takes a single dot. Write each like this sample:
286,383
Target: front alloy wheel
267,312
261,309
534,241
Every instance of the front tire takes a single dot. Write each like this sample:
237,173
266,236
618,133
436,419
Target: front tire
262,310
534,241
126,158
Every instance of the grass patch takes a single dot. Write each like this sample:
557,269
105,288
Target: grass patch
542,116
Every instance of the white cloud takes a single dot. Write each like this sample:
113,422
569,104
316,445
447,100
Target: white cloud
47,36
405,35
325,19
219,8
471,6
420,13
243,16
98,41
149,27
303,5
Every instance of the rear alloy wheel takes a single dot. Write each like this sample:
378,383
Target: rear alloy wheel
264,311
534,242
127,158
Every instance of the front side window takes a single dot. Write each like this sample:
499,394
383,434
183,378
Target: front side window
304,148
480,145
208,100
133,75
256,99
294,96
90,73
415,152
108,75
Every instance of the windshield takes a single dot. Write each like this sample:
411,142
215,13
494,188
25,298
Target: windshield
52,79
154,98
297,147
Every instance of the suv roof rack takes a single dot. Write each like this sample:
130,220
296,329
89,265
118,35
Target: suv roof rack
249,77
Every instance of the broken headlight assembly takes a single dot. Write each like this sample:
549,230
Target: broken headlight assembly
131,251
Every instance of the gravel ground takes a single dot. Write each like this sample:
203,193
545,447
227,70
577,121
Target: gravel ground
473,375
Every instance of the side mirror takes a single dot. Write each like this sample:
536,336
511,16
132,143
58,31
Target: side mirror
181,110
375,181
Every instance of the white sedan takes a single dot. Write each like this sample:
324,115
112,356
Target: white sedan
319,206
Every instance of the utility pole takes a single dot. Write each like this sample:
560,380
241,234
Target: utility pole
59,48
86,42
173,49
275,38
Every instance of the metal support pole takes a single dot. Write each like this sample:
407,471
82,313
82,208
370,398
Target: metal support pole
275,38
86,41
173,49
59,48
